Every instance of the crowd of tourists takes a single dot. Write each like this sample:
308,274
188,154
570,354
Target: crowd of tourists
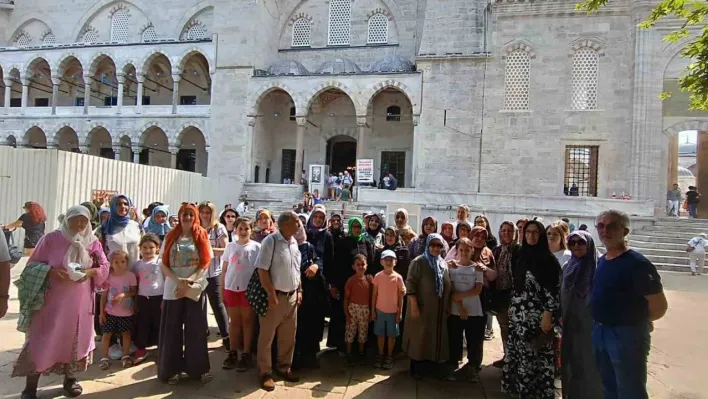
274,283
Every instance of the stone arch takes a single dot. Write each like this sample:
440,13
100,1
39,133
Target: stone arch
34,127
372,91
150,125
185,127
332,84
142,6
34,61
26,18
61,131
64,60
191,13
96,60
144,64
350,132
522,45
266,89
192,51
586,43
61,126
701,125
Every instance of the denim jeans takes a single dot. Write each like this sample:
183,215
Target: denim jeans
692,210
621,355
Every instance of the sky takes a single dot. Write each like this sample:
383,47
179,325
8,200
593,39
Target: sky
688,136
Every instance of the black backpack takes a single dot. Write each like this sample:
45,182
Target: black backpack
15,254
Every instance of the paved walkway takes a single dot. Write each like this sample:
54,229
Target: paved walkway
677,366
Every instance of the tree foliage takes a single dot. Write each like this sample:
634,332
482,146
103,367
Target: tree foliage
691,14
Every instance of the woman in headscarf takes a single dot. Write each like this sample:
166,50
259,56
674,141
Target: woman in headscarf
228,219
529,368
311,313
374,229
60,339
500,289
173,220
462,230
217,238
482,221
579,369
119,231
33,221
428,291
264,225
93,211
345,249
401,219
103,215
417,246
157,223
186,256
335,227
447,231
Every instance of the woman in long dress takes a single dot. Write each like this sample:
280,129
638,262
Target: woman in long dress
529,368
581,379
61,336
428,288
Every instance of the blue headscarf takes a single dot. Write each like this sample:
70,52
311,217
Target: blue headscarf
437,264
101,212
115,221
578,273
159,229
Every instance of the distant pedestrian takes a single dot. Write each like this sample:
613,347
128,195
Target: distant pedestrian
697,253
693,198
673,198
33,221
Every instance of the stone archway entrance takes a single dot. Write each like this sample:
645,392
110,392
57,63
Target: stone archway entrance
341,153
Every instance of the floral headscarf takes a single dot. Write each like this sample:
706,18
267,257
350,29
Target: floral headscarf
437,264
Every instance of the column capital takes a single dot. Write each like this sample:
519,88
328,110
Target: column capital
56,80
24,81
83,149
8,81
120,77
416,120
117,148
135,149
301,120
361,120
251,121
87,78
207,148
176,77
173,149
140,78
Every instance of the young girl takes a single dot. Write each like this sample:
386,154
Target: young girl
466,315
239,262
117,306
150,288
357,306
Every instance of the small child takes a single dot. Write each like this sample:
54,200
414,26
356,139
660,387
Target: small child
238,264
117,307
388,302
151,284
466,315
357,305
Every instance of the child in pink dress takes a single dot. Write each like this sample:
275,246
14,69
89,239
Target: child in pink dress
117,307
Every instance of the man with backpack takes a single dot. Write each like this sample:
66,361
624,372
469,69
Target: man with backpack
4,276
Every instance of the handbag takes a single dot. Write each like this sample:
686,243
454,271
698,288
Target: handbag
690,248
255,293
15,254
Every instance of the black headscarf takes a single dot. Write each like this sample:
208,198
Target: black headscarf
538,260
374,233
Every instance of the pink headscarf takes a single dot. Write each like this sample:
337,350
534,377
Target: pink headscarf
301,236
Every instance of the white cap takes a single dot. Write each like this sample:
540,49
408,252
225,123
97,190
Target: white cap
388,254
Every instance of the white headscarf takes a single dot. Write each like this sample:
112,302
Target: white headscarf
80,242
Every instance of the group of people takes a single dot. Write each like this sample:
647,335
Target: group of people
673,201
561,311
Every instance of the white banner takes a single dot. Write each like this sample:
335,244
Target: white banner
365,170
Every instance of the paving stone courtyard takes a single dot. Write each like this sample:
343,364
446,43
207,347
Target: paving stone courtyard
677,369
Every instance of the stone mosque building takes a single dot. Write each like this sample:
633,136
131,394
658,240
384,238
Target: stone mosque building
510,105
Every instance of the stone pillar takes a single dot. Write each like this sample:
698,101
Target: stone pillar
250,138
361,124
136,154
25,94
55,93
116,151
139,95
416,148
175,91
8,93
672,175
84,149
299,141
88,80
702,171
121,81
173,156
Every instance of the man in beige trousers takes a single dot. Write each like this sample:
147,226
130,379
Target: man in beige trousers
278,267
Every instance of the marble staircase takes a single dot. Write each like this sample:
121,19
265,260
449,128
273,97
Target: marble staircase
664,242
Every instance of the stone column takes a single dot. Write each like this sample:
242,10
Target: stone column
136,154
361,124
139,95
250,137
116,151
416,148
173,156
8,93
299,141
175,91
121,81
25,94
88,80
55,93
84,149
672,175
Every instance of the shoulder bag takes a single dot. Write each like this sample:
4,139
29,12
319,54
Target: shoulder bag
255,293
15,254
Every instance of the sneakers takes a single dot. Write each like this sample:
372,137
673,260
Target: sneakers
231,361
244,363
387,363
267,383
488,334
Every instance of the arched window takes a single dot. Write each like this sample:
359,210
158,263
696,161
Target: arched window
301,33
49,39
586,61
149,34
119,26
393,113
197,32
91,36
378,29
340,22
516,81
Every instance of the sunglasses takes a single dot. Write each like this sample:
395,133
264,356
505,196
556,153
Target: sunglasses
436,245
230,216
573,243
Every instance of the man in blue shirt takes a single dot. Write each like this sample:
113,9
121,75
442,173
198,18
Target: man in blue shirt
627,296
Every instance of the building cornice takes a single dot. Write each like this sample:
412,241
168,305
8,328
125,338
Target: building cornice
551,8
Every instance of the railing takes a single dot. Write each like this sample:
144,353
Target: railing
129,110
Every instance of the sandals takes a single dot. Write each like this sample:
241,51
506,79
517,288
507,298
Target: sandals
127,361
72,388
105,364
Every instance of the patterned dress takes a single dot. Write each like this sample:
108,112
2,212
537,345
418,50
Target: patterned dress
528,373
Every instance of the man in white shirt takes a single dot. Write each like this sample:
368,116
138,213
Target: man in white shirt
697,257
278,268
242,208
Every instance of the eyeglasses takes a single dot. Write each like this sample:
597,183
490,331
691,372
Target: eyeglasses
230,216
435,245
577,242
609,226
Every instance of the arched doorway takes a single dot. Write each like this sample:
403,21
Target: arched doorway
67,140
100,143
154,148
192,155
35,138
274,137
341,153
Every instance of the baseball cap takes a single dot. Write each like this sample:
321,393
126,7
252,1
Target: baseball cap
388,254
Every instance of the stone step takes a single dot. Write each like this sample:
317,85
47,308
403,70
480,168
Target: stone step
673,260
673,229
658,239
656,234
657,245
671,267
683,221
681,253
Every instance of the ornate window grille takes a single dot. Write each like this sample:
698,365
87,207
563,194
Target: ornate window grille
149,34
197,32
378,29
516,81
584,82
301,33
91,36
580,171
119,26
49,39
340,22
23,40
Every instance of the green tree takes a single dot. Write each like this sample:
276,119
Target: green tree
691,13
